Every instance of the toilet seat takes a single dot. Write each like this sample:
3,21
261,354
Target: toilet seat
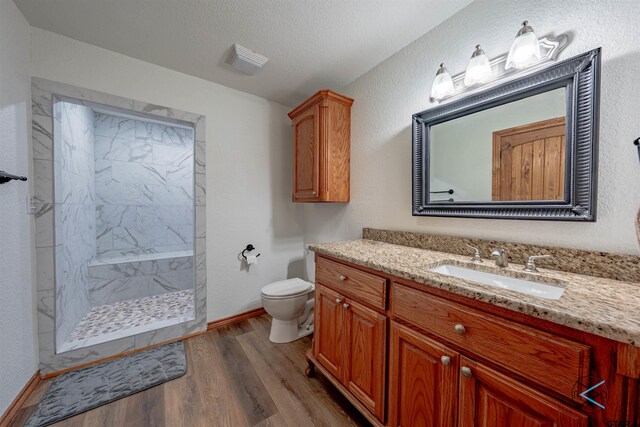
286,288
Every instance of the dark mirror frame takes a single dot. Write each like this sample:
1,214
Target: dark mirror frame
580,76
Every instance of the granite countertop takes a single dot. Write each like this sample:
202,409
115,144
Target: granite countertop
604,307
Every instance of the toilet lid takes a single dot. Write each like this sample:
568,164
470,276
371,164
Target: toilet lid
285,288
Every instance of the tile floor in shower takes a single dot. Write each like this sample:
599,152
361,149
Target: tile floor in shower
125,318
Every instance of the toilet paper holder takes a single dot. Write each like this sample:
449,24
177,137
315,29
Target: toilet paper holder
249,248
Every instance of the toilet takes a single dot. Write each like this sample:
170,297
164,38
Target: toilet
290,304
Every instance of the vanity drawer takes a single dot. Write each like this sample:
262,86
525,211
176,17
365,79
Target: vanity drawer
355,283
549,360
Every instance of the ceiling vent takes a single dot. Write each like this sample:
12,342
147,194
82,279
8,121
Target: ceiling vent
245,60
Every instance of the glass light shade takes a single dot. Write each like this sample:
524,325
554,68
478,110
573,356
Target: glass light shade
442,85
479,69
524,50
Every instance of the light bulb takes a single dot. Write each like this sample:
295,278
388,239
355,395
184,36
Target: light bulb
525,48
442,85
479,69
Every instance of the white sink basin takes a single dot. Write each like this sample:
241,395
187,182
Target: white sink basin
536,289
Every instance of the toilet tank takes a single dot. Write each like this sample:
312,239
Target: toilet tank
310,265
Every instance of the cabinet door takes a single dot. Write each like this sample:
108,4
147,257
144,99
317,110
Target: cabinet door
329,330
306,140
366,344
489,398
423,382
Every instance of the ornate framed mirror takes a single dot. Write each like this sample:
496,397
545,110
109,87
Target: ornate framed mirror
526,149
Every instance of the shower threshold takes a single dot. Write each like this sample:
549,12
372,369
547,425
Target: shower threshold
131,317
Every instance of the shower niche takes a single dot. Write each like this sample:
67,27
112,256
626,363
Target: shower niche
123,219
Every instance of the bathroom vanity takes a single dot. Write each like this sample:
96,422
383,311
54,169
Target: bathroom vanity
409,346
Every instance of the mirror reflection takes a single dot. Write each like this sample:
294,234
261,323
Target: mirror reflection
511,152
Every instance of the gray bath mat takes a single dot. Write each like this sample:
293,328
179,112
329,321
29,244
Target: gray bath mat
87,388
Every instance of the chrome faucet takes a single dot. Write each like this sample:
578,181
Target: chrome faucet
476,256
531,264
502,260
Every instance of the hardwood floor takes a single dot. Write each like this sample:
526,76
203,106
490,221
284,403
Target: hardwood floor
235,377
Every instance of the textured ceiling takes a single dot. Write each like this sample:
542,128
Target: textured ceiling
311,44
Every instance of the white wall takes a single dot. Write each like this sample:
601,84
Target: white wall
248,162
17,343
387,96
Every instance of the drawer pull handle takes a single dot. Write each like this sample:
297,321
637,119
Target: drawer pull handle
338,300
446,360
345,305
466,372
342,278
460,329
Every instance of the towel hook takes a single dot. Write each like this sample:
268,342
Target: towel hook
249,248
6,177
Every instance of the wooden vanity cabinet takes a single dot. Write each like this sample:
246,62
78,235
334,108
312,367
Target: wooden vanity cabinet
350,339
351,345
431,385
329,330
321,148
489,398
423,380
365,349
547,359
454,361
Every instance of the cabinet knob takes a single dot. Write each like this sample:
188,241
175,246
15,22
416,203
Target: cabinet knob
338,300
314,194
342,278
345,305
466,372
446,360
460,329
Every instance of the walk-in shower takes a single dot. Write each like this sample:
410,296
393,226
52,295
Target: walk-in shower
124,223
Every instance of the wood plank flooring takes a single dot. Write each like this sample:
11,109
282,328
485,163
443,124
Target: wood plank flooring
235,377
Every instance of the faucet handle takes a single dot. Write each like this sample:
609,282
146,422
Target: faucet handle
531,263
476,257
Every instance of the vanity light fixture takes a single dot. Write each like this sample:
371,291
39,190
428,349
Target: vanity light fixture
442,85
525,48
528,53
479,69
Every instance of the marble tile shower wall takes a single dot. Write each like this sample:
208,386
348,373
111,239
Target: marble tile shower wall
74,207
115,282
144,187
43,96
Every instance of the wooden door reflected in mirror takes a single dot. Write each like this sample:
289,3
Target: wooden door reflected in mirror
529,161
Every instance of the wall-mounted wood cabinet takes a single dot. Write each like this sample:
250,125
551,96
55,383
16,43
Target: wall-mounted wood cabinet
321,148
